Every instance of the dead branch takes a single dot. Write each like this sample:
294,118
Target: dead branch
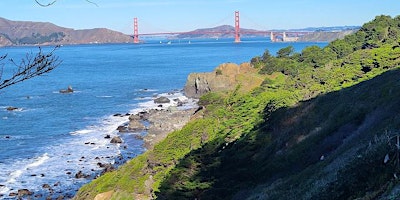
31,66
51,3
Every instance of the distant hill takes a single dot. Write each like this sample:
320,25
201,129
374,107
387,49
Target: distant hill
224,31
44,33
322,36
325,34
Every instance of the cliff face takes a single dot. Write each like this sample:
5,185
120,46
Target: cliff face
225,77
44,33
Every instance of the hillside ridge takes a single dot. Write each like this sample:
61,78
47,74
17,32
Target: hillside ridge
14,33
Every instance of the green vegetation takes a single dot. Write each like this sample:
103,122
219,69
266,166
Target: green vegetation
318,127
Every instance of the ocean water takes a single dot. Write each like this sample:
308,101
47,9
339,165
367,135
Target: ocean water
53,136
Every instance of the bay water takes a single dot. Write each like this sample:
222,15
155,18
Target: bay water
52,136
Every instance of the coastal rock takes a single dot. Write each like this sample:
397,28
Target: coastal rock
68,90
163,122
225,77
80,174
24,192
11,108
12,194
122,129
107,167
116,139
161,100
143,115
135,126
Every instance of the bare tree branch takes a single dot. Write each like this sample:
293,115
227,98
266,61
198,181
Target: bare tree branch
92,3
31,66
45,5
51,3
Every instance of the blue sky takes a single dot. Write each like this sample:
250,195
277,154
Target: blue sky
186,15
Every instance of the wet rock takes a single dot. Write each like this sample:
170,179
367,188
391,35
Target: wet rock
107,137
117,115
116,139
80,174
122,129
68,90
7,137
179,103
56,184
161,100
13,194
24,192
11,108
38,196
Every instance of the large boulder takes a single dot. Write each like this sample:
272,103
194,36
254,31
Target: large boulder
116,139
162,100
68,90
135,125
24,192
225,77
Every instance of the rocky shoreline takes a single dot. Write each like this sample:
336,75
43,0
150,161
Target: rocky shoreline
149,125
157,123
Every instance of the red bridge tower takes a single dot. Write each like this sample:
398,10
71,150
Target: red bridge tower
237,27
135,31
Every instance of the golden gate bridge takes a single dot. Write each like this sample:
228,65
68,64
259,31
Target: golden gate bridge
287,36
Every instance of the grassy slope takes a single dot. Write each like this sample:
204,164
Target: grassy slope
268,143
281,158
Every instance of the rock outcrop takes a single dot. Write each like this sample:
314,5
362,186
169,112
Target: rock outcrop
225,77
68,90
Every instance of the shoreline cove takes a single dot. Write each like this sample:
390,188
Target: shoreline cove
161,119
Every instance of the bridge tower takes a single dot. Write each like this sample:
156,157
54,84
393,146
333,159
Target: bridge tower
135,31
272,36
284,37
237,27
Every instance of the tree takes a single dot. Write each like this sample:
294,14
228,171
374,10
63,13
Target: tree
31,66
285,52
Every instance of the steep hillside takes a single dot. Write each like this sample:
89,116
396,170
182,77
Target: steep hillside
325,36
44,33
322,125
